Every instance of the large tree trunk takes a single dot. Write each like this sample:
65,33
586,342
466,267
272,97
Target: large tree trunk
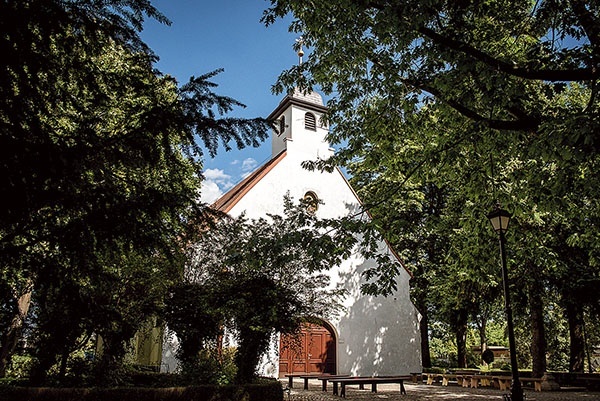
424,328
577,340
538,333
461,339
12,335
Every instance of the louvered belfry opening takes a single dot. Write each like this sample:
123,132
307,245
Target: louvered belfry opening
310,122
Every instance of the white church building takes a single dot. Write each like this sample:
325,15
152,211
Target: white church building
373,335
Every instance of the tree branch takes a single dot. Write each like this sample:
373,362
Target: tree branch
558,75
575,74
590,25
523,123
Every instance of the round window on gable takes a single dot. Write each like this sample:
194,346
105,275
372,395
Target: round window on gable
311,202
310,122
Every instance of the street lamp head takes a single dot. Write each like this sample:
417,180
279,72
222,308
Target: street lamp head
499,219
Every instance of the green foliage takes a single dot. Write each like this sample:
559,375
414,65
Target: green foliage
481,102
558,342
101,169
267,391
496,332
443,350
266,276
20,366
192,312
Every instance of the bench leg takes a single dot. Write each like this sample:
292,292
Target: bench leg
538,386
335,388
306,383
444,381
373,387
324,387
402,389
361,386
343,390
429,379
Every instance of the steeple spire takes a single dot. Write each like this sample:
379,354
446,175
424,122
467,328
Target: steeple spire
300,43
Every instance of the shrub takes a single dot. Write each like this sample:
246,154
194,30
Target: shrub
19,366
264,391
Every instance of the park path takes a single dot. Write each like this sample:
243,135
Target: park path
423,392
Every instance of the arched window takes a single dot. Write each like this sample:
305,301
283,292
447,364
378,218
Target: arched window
311,201
281,125
310,122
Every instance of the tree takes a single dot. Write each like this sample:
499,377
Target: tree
421,212
193,311
505,91
269,275
99,150
456,52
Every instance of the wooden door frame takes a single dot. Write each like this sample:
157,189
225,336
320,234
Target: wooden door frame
325,325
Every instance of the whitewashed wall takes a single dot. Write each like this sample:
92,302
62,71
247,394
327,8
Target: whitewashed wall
375,335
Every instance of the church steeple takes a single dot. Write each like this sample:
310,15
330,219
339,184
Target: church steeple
300,129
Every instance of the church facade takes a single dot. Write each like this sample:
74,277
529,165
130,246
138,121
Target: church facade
373,335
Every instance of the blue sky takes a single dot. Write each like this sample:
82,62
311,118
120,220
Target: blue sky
209,34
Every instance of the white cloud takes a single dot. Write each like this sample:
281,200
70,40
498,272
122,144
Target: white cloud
210,192
249,164
217,175
215,183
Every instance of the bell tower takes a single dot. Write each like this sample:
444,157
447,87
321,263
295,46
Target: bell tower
299,124
300,129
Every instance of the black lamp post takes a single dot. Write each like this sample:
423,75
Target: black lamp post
500,219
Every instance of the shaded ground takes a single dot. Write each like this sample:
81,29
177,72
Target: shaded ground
423,392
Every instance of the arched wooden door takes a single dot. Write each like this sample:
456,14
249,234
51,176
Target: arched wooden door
313,351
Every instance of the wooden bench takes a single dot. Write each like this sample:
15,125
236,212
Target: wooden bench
320,376
591,382
291,376
505,382
361,381
433,377
325,378
446,377
502,382
416,377
475,381
537,382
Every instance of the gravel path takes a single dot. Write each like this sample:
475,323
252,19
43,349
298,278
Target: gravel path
423,392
